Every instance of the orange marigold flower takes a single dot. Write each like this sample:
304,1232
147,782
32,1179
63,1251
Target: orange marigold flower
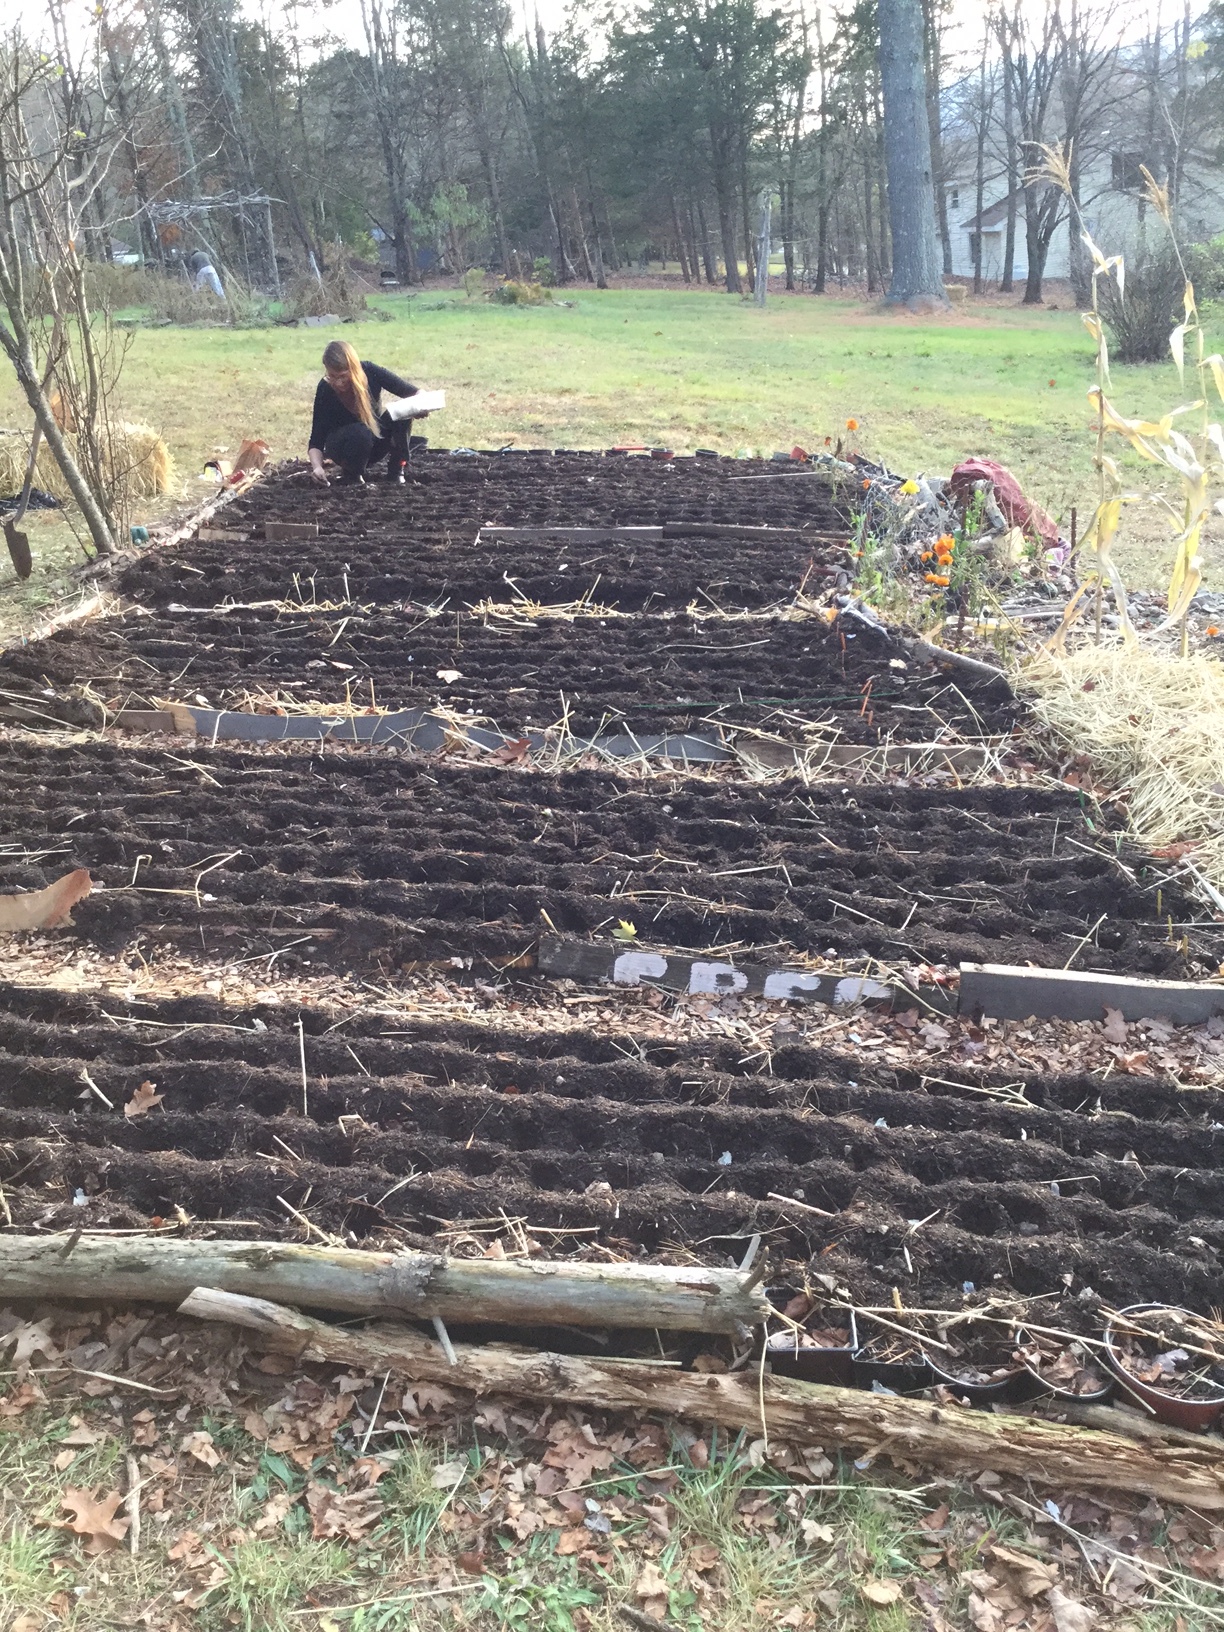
925,556
852,424
1212,630
940,578
945,541
866,481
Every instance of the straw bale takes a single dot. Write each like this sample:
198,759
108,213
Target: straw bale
140,453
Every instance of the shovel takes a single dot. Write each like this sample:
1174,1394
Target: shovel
19,543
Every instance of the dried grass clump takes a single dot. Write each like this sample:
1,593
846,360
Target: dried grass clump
141,462
1152,725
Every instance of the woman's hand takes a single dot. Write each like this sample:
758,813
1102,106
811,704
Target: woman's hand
319,476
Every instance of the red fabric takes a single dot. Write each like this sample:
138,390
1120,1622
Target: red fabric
1018,511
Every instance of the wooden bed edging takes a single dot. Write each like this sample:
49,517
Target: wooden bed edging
422,1285
947,1437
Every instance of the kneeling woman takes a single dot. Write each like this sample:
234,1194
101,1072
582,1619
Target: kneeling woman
347,427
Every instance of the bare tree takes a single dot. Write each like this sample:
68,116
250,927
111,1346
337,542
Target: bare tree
48,336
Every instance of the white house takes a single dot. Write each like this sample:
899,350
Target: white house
1112,186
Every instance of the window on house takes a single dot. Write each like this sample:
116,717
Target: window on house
956,198
1126,173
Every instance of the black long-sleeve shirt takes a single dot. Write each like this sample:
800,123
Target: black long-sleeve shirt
331,411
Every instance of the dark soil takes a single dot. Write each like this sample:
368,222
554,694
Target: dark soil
570,1131
419,545
857,684
372,862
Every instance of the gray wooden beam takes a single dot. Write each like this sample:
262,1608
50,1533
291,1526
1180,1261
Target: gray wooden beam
1004,992
629,965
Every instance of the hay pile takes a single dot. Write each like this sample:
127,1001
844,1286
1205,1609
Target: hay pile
141,463
1152,725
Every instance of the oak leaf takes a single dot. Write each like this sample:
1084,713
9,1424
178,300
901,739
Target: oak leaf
94,1518
143,1100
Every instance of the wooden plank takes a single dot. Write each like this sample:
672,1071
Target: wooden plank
725,529
290,532
573,535
222,535
1005,992
634,966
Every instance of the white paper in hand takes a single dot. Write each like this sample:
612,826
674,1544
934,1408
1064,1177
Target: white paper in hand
424,402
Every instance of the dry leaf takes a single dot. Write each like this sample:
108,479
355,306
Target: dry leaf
345,1515
94,1518
200,1445
446,1475
1069,1614
513,752
983,1615
1029,1574
274,1512
881,1592
651,1583
65,1459
143,1100
449,676
814,1531
44,909
1115,1026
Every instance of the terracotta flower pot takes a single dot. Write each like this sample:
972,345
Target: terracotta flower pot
1179,1410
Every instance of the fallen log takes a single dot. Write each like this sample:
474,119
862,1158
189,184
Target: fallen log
509,1292
949,1438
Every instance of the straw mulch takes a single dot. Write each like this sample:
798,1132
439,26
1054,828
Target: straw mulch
1152,726
141,458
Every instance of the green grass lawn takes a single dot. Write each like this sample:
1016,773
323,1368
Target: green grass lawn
691,368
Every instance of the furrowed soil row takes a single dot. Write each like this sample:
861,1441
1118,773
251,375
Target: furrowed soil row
801,680
374,862
419,545
567,1132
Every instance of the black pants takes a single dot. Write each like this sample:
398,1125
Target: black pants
353,447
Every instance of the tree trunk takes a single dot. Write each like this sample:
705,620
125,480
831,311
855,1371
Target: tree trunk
680,244
730,249
934,82
1035,250
914,1432
158,1269
16,343
917,278
707,255
873,269
1007,282
979,175
822,246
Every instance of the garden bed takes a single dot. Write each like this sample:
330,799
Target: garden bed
373,862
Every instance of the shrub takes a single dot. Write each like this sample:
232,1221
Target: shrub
542,272
1140,318
515,292
474,281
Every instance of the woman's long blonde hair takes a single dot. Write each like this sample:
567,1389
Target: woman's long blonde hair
340,358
